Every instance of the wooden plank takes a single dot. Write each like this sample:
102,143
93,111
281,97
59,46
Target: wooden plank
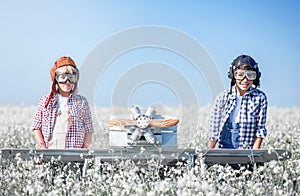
168,155
237,156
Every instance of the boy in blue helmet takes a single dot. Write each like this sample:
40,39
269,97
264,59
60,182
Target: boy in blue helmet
238,116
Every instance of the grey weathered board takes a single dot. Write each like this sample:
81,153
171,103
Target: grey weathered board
166,156
237,156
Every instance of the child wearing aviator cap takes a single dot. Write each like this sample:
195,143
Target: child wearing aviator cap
238,116
63,118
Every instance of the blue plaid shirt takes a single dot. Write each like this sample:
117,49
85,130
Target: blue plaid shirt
253,113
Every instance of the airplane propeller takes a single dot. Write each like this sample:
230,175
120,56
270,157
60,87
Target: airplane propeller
143,120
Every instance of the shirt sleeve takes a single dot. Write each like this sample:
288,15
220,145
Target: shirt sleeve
88,121
37,119
261,118
216,117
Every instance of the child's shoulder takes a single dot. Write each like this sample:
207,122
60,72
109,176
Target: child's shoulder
224,93
79,97
44,97
258,92
258,95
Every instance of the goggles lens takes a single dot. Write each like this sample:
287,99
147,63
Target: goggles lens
241,74
62,78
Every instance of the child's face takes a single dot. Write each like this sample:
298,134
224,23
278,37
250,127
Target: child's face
66,87
243,85
65,79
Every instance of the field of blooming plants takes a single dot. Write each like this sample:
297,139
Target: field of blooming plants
20,177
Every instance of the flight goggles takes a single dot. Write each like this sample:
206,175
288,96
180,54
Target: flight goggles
241,74
64,77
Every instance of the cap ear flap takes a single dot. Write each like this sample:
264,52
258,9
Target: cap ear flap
53,88
77,73
258,74
52,73
230,72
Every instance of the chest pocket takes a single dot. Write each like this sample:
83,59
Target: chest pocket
253,107
77,115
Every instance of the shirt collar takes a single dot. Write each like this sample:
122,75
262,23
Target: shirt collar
233,95
56,95
55,98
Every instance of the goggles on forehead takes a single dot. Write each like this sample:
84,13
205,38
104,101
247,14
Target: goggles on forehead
64,77
241,74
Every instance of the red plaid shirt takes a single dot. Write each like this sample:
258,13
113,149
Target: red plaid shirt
80,119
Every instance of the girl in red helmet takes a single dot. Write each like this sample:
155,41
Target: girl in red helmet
63,118
238,116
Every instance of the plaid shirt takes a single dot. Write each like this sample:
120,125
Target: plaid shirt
253,113
80,120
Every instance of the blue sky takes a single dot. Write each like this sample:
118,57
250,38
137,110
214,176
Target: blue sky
35,33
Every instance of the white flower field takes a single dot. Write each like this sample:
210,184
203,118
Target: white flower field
20,177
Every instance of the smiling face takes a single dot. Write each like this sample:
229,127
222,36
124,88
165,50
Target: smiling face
66,87
242,86
244,78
